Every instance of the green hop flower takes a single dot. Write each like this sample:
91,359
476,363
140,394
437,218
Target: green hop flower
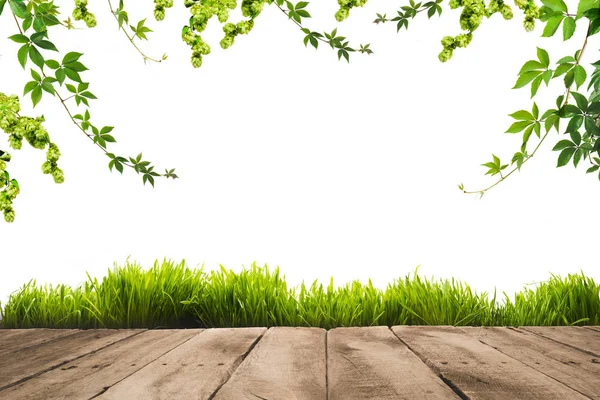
223,15
48,167
159,13
506,11
227,42
529,24
463,40
58,175
15,142
5,157
445,55
90,20
201,48
196,60
532,12
342,14
229,29
2,166
455,4
245,26
12,191
77,14
188,3
53,154
447,41
231,4
80,3
521,3
9,214
344,3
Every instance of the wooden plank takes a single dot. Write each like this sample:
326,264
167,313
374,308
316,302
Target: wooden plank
288,363
194,370
88,376
19,339
586,340
371,363
593,327
45,356
565,364
478,370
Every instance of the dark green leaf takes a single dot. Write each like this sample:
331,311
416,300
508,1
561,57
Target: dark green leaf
580,75
19,38
60,75
73,75
563,144
29,86
52,64
22,55
46,45
18,8
35,76
565,156
552,25
71,57
36,95
36,57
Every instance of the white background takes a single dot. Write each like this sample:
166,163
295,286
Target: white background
291,158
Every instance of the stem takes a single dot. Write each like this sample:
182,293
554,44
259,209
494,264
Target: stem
566,101
65,106
129,37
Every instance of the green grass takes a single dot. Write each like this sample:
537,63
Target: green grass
174,296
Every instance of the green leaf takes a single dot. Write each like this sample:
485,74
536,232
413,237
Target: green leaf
527,133
580,75
71,57
518,126
531,65
89,95
581,101
29,86
18,8
585,5
592,169
562,68
577,157
535,111
568,28
574,124
19,38
52,64
22,55
47,86
576,138
73,75
543,57
36,57
525,78
569,78
522,115
106,129
36,95
2,3
565,156
46,45
60,75
36,76
552,25
71,88
535,84
555,5
563,144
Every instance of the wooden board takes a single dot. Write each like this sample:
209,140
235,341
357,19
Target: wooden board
288,363
586,340
15,340
92,374
194,370
371,363
36,359
478,370
565,364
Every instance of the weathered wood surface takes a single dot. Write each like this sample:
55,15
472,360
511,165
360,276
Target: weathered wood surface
194,370
373,364
477,370
285,363
288,363
101,369
45,356
568,366
577,337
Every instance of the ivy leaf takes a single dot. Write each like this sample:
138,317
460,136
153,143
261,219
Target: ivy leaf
580,75
71,57
568,28
552,25
36,95
36,57
543,57
555,5
19,38
46,45
72,74
565,156
563,144
22,55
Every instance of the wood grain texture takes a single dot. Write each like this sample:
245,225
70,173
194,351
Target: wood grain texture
15,340
287,364
92,374
586,340
572,368
44,356
194,370
478,370
371,363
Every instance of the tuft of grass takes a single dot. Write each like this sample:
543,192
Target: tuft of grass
171,295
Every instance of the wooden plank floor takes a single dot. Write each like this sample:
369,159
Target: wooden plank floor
286,363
